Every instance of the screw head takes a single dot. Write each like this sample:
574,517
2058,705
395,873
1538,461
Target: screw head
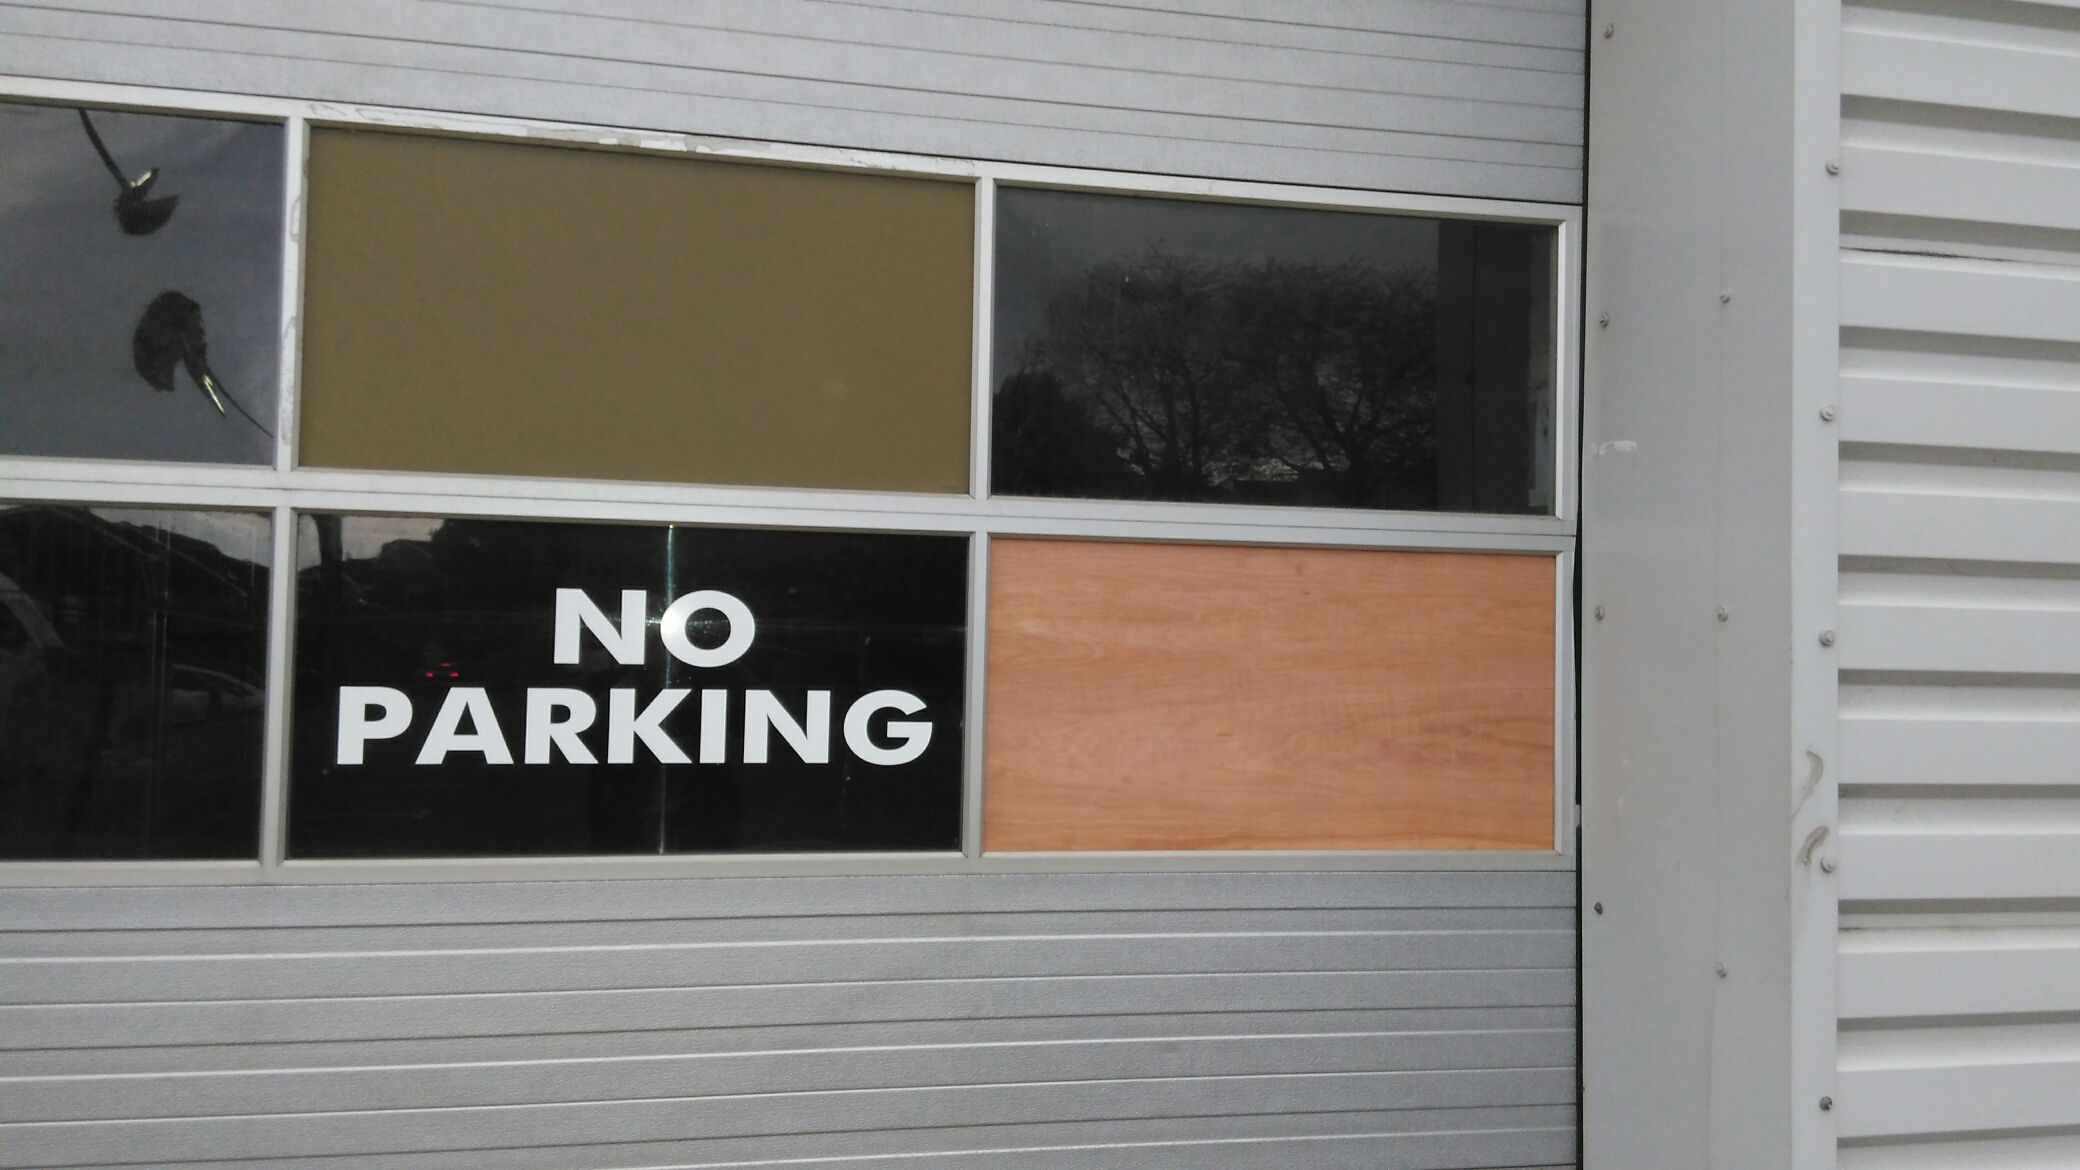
1720,968
1834,166
1609,31
1723,614
1827,414
1827,865
1827,637
1598,907
1826,1104
1725,296
1599,613
1603,320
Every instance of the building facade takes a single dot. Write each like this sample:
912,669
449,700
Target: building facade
1041,584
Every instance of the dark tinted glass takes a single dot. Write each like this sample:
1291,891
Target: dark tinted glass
1170,350
140,285
133,657
431,650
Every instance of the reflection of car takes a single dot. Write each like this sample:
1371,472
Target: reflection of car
194,694
22,623
26,639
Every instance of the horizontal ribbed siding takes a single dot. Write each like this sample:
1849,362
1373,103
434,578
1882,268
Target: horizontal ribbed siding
1960,607
1418,95
1190,1020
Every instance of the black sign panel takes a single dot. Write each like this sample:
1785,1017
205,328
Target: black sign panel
133,662
499,688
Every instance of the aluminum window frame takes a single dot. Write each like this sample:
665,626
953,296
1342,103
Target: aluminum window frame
287,490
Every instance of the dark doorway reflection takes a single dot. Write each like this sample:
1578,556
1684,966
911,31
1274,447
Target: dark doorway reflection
133,651
435,611
123,234
1172,350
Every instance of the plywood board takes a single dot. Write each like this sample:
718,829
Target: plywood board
1169,696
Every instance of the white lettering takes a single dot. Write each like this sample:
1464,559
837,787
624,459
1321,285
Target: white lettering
915,735
742,628
624,726
356,728
714,725
763,712
447,735
545,731
625,644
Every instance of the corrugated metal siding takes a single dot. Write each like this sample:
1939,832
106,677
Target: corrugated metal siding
1960,518
1414,1020
1480,99
1185,1020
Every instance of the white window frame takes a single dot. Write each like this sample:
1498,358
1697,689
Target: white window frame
286,490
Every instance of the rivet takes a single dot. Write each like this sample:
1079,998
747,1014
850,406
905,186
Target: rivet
1598,907
1599,613
1720,968
1609,31
1604,320
1725,296
1827,414
1827,637
1827,865
1826,1104
1723,615
1834,166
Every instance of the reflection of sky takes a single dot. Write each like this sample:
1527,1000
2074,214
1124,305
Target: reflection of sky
363,536
1045,239
72,285
239,535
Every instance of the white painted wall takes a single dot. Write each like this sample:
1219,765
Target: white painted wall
1960,586
1708,555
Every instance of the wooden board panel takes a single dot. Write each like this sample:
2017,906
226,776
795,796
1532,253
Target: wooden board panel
1147,696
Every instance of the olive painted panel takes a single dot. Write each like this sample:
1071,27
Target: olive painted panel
509,309
1158,697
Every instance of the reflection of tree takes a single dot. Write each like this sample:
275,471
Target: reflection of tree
1343,360
1176,378
1140,344
1051,440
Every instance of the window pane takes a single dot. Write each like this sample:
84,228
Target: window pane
1170,350
133,662
438,666
140,294
508,309
1174,696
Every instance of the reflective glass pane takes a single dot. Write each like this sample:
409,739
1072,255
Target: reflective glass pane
1170,350
140,293
133,661
479,687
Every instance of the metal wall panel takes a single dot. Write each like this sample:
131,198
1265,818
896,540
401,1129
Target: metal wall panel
1416,1020
1411,95
1959,1041
1191,1020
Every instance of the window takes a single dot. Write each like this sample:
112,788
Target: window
132,687
487,687
1169,350
533,310
766,507
143,278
